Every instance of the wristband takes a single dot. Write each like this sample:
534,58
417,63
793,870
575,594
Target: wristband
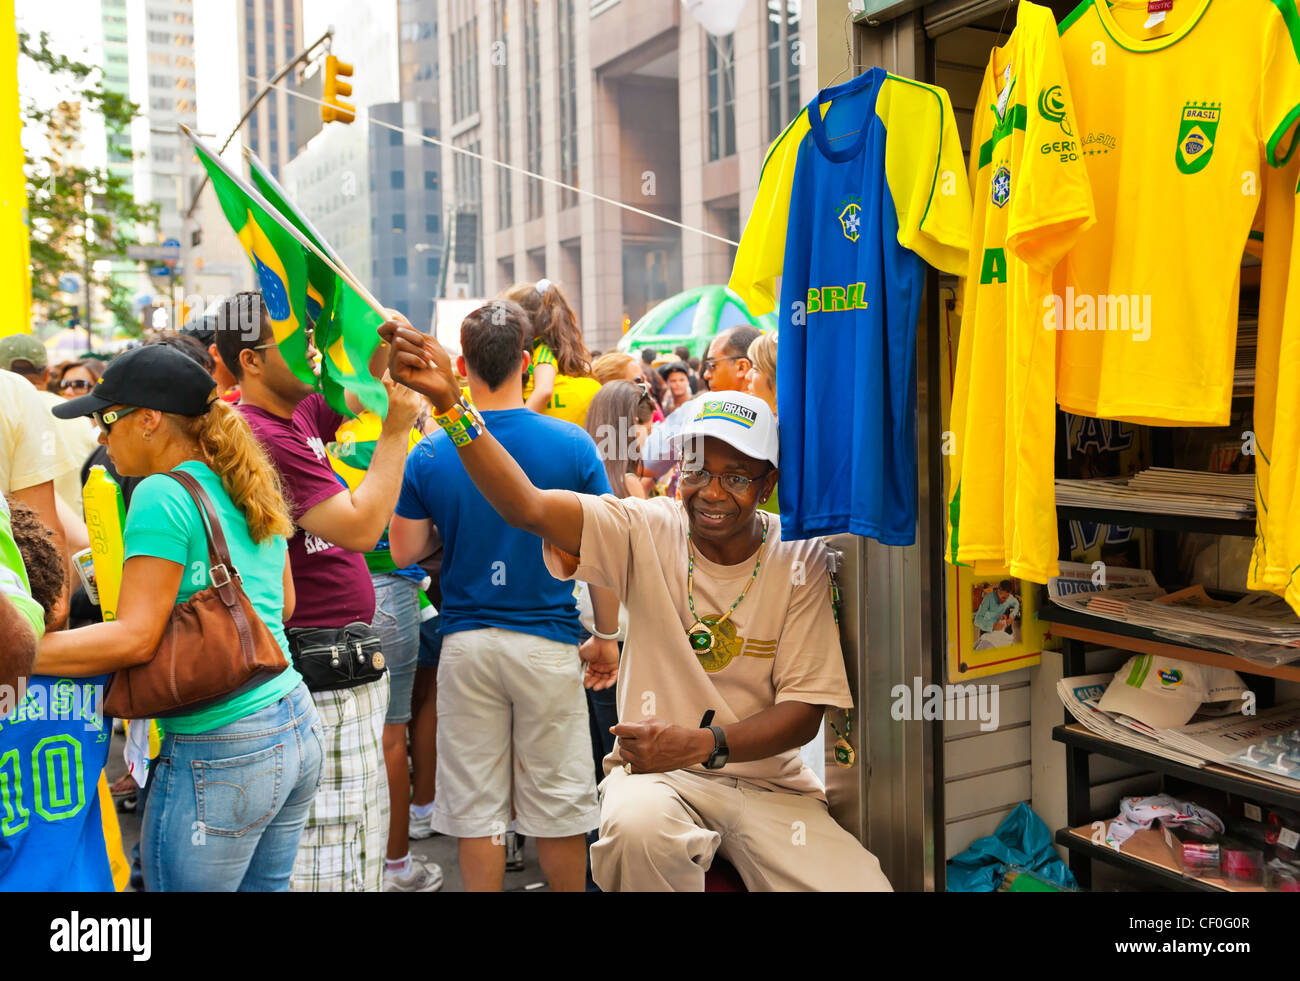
597,633
461,423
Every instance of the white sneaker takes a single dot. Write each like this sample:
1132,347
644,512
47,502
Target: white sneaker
421,827
422,876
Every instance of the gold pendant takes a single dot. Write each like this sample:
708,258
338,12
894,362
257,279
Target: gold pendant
844,755
701,637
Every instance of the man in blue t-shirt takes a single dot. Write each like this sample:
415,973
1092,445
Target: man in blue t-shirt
510,681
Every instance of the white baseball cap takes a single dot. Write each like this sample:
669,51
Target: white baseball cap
1165,693
742,421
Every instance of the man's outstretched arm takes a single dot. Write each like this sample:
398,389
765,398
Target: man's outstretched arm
420,363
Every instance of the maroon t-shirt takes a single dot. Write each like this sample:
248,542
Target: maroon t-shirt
332,583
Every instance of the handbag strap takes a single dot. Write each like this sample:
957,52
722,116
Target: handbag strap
221,572
228,589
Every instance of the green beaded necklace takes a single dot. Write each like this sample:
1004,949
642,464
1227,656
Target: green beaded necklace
700,634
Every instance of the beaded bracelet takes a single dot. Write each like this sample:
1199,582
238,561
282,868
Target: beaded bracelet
461,423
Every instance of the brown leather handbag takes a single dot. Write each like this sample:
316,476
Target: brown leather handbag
215,645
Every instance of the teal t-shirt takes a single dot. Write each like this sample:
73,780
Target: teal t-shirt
163,522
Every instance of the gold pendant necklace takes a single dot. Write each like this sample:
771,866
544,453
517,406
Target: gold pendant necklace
703,636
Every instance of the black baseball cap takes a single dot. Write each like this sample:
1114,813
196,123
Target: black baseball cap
151,377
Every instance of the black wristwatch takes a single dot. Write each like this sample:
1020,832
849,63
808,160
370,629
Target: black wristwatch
718,758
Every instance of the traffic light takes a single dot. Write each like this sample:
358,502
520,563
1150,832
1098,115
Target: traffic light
335,109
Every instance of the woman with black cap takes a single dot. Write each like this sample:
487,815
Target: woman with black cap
234,781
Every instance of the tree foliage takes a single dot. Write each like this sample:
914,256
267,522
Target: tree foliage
78,214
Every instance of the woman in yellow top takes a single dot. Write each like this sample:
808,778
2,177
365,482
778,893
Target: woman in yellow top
559,381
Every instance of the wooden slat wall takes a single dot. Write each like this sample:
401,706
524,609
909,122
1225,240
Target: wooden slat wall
986,774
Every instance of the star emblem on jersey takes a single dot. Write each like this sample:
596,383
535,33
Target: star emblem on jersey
1051,106
1196,131
1002,185
851,221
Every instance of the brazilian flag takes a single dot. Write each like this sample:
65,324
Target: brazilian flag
279,259
346,326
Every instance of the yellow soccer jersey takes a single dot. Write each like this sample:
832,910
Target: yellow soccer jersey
571,398
1176,124
1281,527
1274,379
1032,202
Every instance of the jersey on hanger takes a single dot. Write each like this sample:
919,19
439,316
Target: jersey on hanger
862,189
1176,124
1275,560
1032,202
1277,383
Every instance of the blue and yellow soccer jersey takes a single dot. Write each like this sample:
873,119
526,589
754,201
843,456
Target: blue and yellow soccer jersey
53,745
863,188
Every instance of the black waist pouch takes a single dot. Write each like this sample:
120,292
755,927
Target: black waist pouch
330,658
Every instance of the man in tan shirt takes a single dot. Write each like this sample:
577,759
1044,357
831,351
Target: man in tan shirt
727,624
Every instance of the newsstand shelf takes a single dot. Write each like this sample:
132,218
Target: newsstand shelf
1130,637
1123,517
1211,775
1155,862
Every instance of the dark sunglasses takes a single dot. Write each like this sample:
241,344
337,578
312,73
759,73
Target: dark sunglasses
106,419
76,385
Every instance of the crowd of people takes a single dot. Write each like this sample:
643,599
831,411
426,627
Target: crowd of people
474,596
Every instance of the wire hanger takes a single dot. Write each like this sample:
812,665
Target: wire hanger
848,67
997,42
848,47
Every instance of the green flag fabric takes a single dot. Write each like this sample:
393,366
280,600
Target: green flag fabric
278,258
346,326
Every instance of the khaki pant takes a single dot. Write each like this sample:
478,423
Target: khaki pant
660,831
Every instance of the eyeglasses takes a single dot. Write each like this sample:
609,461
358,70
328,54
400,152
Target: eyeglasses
106,419
76,385
732,483
710,363
311,341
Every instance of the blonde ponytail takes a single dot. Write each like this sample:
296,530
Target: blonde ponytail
234,453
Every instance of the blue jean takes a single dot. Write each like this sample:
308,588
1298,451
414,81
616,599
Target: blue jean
397,621
226,808
430,643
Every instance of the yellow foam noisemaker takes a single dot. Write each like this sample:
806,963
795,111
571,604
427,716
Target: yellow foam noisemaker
105,520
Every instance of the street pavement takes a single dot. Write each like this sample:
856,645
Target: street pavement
439,849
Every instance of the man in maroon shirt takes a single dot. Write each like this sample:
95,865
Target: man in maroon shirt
344,842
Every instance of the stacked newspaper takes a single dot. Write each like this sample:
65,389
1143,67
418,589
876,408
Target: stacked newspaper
1257,745
1245,743
1164,490
1260,626
1081,695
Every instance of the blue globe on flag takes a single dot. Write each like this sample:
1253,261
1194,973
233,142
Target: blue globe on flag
274,292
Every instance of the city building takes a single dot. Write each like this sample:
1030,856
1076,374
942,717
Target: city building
162,83
270,36
373,187
117,79
635,102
